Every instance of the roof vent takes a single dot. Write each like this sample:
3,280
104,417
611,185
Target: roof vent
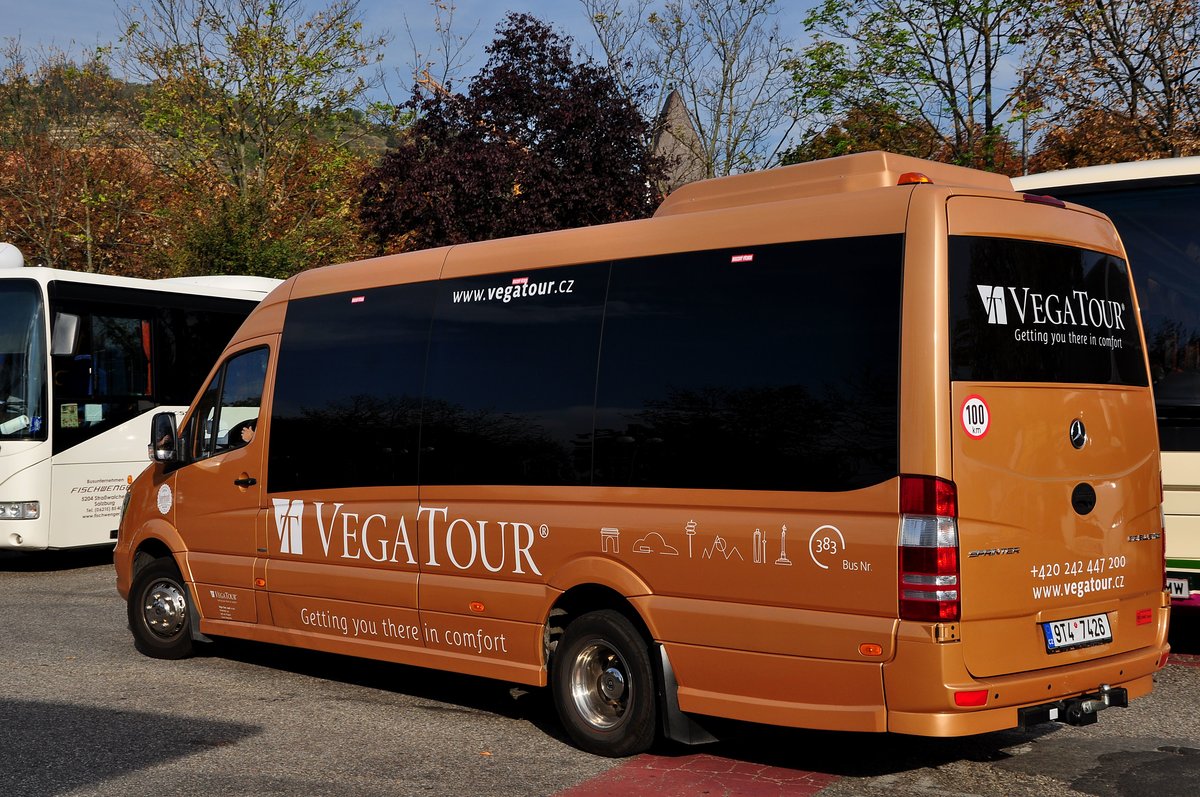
10,256
858,172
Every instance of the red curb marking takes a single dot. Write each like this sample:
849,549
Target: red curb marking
686,776
1184,659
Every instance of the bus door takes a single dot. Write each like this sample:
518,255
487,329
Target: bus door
218,494
344,527
1053,445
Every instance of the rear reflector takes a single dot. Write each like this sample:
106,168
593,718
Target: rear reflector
1144,616
969,699
929,588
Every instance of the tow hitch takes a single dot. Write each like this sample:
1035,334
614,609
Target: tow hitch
1082,710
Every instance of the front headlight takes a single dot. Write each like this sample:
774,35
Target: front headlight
20,510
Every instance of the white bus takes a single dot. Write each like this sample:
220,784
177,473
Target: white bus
85,361
1155,206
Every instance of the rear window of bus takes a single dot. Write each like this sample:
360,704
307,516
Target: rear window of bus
1028,311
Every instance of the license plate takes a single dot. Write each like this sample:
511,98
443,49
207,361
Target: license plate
1077,632
1178,588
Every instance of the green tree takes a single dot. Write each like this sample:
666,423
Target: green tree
867,128
947,64
250,109
538,142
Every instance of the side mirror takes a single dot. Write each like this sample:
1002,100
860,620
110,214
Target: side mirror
163,438
64,338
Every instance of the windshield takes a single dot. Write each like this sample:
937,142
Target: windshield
1157,224
22,361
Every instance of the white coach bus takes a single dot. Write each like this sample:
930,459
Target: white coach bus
1155,206
85,361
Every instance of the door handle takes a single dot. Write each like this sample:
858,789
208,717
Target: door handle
246,481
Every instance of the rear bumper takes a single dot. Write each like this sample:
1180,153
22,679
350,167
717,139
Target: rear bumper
1007,695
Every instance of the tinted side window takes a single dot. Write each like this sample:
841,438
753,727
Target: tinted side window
347,405
766,368
1026,311
134,350
226,416
512,375
200,433
186,344
106,380
241,399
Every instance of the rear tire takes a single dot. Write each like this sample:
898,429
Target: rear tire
603,685
160,611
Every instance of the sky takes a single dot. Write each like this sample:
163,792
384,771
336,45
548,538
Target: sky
74,25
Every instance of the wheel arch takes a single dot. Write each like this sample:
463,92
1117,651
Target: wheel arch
153,548
590,596
147,551
591,583
157,539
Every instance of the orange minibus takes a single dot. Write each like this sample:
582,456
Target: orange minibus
865,444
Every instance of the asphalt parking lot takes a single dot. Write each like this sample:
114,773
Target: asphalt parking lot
82,713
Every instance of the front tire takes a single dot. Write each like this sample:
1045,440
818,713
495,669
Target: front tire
603,685
160,611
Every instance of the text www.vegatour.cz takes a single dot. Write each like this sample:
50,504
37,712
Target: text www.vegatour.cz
520,288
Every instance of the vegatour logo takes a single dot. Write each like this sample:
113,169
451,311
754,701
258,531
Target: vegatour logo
1076,308
289,522
993,302
504,546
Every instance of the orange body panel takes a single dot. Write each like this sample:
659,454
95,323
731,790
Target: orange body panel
811,693
776,606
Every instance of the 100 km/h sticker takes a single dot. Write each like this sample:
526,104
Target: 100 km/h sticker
976,417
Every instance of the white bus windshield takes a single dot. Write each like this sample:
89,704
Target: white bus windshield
22,361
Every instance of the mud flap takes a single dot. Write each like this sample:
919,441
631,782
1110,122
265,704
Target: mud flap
194,617
678,726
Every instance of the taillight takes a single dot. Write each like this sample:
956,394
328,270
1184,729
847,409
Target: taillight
929,588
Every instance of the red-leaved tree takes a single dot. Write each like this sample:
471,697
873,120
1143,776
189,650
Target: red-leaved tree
539,142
